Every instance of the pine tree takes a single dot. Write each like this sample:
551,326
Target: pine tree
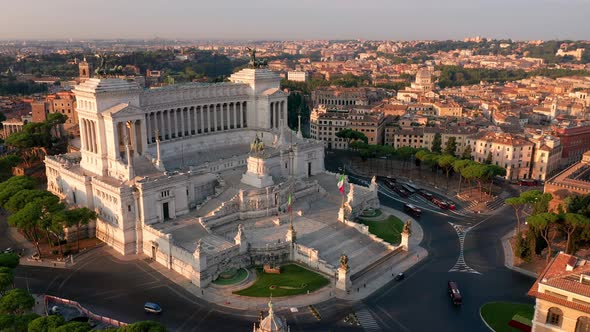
437,143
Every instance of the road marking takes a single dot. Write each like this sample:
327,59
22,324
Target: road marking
460,265
367,321
393,319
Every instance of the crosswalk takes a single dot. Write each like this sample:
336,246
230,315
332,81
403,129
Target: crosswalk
460,265
498,201
367,321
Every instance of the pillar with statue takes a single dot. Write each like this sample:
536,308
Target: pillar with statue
343,282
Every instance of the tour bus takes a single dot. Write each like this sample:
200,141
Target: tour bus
410,189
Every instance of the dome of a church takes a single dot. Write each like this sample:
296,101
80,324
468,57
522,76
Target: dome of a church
271,323
423,74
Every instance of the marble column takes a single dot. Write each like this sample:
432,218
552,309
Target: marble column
182,121
272,115
213,120
147,124
232,120
201,119
169,124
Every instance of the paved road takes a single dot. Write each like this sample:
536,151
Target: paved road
118,288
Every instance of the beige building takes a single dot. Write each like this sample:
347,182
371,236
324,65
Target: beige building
326,123
562,294
513,153
297,76
547,156
422,137
447,108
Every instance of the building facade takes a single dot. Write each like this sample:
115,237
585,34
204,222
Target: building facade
513,153
562,293
574,180
152,158
337,97
575,142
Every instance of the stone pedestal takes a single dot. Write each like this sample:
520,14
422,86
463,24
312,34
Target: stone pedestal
343,282
341,215
257,175
405,242
291,235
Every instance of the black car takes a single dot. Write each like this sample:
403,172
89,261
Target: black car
399,277
412,210
401,191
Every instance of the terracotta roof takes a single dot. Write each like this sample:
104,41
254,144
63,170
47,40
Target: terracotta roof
556,275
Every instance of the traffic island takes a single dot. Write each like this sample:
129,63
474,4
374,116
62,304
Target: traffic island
507,316
292,280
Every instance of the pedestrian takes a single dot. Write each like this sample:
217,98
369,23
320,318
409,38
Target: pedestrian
202,292
365,285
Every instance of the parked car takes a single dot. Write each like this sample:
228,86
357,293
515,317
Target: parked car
152,308
9,251
400,276
412,210
527,182
454,293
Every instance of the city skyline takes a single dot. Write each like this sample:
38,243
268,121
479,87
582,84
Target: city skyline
329,19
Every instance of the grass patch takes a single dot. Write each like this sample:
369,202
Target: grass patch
499,314
293,280
238,276
389,229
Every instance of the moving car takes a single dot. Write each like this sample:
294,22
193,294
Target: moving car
454,293
399,277
412,210
426,195
152,308
440,203
400,191
9,251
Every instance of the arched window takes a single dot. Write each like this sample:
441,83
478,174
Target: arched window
554,316
583,324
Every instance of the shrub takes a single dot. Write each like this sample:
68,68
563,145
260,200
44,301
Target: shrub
523,248
9,260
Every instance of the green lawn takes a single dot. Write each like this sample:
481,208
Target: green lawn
498,314
240,275
389,229
293,280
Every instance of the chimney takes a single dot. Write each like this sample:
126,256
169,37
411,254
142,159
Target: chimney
571,263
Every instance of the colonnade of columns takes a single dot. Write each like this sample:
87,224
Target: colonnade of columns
194,120
129,132
88,135
277,113
339,102
11,128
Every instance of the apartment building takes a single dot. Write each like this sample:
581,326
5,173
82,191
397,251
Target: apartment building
575,142
422,137
513,153
562,293
325,123
547,156
298,76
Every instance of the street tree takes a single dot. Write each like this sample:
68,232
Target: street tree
489,159
143,326
405,153
13,185
537,201
73,327
9,260
451,146
517,204
466,153
446,163
79,217
545,224
16,302
437,143
6,279
491,171
572,222
46,323
27,220
350,135
458,166
475,172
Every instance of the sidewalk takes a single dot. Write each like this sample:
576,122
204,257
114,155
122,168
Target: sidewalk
509,256
362,287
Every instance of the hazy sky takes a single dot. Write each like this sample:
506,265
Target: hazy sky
295,19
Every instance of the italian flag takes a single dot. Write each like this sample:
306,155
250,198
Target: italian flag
341,184
289,201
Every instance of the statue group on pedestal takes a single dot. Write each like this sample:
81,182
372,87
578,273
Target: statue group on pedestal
254,63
